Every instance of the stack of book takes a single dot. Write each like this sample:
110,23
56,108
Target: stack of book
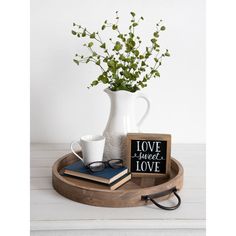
108,178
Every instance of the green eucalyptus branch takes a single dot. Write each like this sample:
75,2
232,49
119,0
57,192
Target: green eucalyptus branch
126,68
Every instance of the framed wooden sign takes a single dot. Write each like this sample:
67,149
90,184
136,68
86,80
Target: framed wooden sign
148,154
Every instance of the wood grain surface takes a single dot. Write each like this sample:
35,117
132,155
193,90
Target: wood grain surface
128,195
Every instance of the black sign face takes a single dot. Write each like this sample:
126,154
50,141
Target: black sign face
148,156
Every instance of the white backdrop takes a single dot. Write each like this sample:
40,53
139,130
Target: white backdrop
63,109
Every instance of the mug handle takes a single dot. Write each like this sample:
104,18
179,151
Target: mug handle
143,96
72,149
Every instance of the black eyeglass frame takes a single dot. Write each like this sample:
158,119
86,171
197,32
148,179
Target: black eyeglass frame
106,163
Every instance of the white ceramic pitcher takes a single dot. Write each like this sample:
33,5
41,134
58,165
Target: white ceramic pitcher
121,121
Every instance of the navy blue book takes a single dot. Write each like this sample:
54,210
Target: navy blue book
107,176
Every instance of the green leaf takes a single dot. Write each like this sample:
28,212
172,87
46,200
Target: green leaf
163,28
167,54
155,34
135,24
103,27
90,44
155,59
141,84
126,74
73,32
137,73
131,42
145,78
131,35
128,59
141,57
105,59
118,46
157,73
83,34
92,36
141,18
134,66
114,27
153,40
98,62
76,61
148,54
94,83
122,57
136,52
119,65
103,78
103,46
112,64
132,13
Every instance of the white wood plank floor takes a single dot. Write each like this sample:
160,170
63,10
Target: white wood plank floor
52,214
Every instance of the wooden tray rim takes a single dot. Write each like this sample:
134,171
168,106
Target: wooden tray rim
56,174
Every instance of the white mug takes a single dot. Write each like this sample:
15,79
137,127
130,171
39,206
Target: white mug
92,148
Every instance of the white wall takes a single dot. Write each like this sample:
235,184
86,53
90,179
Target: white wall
63,109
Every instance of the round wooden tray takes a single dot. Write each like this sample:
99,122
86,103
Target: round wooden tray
128,195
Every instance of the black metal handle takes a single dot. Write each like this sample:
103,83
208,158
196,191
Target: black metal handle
158,195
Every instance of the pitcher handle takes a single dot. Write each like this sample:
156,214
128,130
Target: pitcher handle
143,96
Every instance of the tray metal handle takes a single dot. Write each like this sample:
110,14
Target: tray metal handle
158,195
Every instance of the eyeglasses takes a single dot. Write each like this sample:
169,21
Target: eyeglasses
101,165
